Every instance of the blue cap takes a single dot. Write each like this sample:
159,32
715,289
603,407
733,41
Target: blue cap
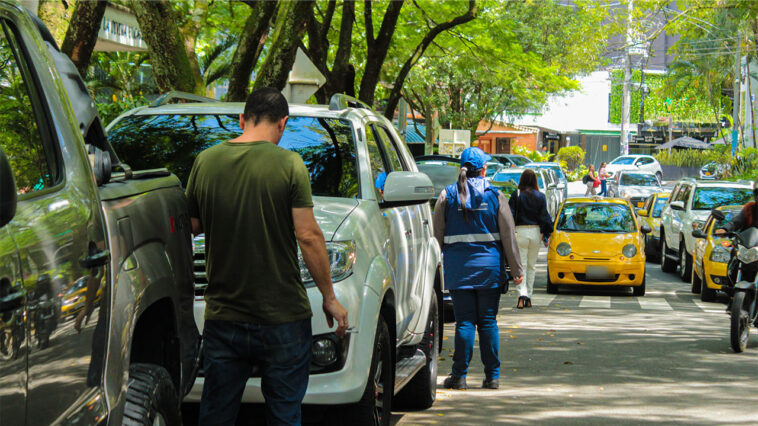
475,156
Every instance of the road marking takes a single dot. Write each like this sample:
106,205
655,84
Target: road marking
595,302
708,307
542,299
654,303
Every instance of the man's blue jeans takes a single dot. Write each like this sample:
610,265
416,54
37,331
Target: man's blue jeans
476,309
230,351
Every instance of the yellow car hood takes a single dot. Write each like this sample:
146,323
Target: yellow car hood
596,244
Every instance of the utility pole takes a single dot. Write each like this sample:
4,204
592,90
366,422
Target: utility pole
736,96
626,95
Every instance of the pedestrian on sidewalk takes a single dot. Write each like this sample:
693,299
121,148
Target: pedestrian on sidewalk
603,175
252,199
533,227
590,179
475,229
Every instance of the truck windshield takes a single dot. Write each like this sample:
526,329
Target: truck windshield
172,141
596,217
638,179
708,198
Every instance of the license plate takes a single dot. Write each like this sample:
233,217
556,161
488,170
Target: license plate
640,203
598,272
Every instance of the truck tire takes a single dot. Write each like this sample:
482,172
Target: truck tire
667,264
151,397
421,392
373,408
685,262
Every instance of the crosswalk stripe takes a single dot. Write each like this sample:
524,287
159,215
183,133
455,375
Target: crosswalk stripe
542,299
595,302
707,307
654,303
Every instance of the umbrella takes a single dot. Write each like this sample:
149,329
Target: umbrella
725,140
684,142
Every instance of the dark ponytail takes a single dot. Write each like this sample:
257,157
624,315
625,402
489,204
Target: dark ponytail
463,187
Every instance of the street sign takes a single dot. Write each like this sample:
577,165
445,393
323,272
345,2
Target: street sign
453,142
304,80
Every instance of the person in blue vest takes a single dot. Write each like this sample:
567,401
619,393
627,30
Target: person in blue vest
474,226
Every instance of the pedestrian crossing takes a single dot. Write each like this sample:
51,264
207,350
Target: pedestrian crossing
663,302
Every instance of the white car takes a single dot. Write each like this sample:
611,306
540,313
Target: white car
634,162
386,264
635,186
687,208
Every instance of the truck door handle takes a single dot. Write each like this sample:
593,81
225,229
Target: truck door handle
95,260
408,233
426,222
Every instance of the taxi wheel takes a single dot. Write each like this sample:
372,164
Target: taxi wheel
685,264
667,264
707,294
640,289
697,283
551,288
650,252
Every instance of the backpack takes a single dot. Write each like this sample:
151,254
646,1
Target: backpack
586,179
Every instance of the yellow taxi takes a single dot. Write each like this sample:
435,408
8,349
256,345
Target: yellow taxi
711,255
597,241
650,214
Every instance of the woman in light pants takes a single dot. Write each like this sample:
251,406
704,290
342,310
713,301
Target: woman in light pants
533,225
591,182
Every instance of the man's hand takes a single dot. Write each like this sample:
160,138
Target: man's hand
334,310
517,280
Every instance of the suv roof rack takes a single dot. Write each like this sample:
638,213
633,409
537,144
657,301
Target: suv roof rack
167,97
341,101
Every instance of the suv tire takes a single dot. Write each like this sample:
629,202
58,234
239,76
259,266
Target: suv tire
667,264
685,262
373,409
421,392
150,395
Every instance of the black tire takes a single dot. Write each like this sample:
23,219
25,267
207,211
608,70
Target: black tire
667,264
421,392
685,262
660,176
640,289
551,288
707,294
150,393
740,329
697,282
650,250
374,408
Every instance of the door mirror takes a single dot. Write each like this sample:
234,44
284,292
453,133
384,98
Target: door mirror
8,194
642,212
698,233
645,228
552,186
677,205
718,214
407,188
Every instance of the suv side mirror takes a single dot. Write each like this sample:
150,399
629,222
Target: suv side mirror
8,195
677,205
407,188
698,233
641,212
718,214
552,186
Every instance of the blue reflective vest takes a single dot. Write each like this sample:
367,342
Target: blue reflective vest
472,253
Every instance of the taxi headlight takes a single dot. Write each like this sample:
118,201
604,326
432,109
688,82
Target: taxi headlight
629,250
563,249
341,260
719,255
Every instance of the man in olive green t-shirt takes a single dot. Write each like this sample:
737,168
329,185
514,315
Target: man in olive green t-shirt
252,199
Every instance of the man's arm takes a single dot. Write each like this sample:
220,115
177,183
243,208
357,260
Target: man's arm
507,229
313,247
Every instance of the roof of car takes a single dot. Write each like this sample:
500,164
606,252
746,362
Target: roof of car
234,108
637,172
722,184
662,194
729,208
599,200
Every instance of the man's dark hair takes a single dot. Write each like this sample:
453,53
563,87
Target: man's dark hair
267,103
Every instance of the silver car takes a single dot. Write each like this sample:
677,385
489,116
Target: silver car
634,185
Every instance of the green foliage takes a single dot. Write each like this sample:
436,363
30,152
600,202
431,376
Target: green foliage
110,110
576,174
535,156
571,157
683,157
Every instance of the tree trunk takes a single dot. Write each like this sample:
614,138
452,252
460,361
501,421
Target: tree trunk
249,49
343,74
168,54
289,29
394,96
56,16
81,35
377,48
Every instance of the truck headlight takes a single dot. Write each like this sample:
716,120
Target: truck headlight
341,260
720,255
629,250
697,224
563,249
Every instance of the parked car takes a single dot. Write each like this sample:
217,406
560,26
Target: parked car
441,169
650,213
385,262
511,160
107,247
711,170
636,186
507,181
634,162
492,168
563,185
597,241
687,209
711,256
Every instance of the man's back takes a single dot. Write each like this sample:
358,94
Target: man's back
244,193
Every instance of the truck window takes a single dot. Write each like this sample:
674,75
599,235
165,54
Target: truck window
378,168
389,148
20,138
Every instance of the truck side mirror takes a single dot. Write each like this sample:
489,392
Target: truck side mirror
718,214
8,195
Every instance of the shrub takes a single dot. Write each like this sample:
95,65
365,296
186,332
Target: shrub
534,156
571,156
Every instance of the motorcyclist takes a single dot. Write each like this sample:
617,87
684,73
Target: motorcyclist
745,219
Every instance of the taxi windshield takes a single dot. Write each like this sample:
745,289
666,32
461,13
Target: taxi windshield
720,224
709,198
638,179
596,217
658,206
